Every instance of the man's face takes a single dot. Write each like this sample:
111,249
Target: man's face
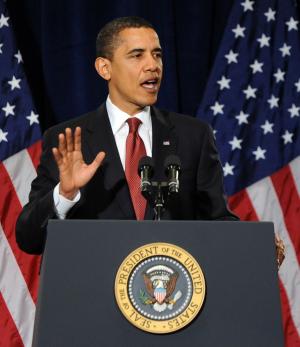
135,70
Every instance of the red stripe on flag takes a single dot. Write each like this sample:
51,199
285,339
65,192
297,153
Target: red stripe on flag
9,335
284,185
10,209
35,153
291,336
241,205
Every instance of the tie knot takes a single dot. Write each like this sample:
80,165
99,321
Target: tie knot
133,124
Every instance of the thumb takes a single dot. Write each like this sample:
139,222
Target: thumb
98,160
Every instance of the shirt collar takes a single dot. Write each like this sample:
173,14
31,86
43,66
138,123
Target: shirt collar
118,117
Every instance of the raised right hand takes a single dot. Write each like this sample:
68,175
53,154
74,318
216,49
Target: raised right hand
74,173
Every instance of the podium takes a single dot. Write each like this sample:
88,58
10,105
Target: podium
77,306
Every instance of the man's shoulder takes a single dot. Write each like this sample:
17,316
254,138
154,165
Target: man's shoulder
80,121
182,121
84,121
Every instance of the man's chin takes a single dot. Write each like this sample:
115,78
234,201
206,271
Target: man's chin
149,100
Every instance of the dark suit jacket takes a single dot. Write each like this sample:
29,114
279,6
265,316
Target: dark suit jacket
106,196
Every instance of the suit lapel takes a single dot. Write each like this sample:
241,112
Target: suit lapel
164,143
101,139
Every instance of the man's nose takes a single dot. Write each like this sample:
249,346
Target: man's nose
152,63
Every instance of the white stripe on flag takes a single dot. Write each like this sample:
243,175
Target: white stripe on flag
15,292
295,168
22,172
267,207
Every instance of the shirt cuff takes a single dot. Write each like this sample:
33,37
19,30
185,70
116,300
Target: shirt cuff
63,205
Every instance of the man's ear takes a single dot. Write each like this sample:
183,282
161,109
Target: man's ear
102,66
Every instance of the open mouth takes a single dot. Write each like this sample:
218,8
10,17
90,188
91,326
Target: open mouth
151,84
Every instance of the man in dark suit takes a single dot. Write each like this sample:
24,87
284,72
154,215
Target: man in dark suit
88,166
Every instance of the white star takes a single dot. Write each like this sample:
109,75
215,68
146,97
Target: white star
9,109
267,127
264,41
273,101
294,111
256,66
235,143
18,56
270,14
1,45
224,83
14,83
3,21
287,137
33,118
217,108
292,24
279,75
231,57
297,85
3,136
242,118
239,31
285,50
228,169
250,92
259,153
248,5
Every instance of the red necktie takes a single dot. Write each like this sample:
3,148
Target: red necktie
135,150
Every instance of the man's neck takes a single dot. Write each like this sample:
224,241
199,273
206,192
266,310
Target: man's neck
130,109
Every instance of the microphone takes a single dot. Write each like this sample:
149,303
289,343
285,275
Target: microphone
145,170
172,169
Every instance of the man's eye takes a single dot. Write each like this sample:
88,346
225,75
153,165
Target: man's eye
138,55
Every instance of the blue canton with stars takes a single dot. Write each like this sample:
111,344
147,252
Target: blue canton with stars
19,124
252,99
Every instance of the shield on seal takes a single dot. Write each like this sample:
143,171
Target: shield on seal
160,294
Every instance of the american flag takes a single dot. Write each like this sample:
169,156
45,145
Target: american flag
19,154
252,101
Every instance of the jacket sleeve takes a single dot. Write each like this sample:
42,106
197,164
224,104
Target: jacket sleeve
210,189
32,222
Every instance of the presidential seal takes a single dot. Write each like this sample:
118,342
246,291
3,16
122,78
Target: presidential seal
160,288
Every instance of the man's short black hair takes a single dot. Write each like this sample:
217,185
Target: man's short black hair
107,38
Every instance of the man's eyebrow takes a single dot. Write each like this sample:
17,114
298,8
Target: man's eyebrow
136,50
158,49
141,50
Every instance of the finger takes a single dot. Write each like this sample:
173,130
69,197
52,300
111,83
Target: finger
69,140
77,139
57,156
97,161
62,144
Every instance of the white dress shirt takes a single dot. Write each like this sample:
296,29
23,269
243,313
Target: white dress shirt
120,129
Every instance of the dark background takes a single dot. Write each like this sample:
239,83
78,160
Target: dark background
57,41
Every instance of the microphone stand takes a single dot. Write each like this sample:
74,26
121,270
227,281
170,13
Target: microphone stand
157,197
158,193
159,204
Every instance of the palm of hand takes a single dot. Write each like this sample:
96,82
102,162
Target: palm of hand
74,173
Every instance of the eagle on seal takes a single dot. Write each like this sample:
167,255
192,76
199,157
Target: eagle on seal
160,282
